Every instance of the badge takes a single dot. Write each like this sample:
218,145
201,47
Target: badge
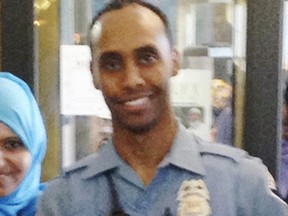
193,198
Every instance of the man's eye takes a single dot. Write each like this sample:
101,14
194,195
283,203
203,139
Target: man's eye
147,59
13,145
112,65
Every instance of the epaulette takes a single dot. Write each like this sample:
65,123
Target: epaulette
79,165
221,150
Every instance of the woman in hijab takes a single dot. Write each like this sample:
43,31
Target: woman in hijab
22,147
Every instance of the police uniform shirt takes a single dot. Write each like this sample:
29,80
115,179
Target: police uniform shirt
195,178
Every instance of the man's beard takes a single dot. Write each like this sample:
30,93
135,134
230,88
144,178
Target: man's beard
137,129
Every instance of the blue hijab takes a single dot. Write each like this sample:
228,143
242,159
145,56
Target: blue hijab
20,112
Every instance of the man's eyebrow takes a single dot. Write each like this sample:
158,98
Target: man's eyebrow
147,48
109,55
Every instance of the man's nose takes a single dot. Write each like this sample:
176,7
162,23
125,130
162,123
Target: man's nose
132,76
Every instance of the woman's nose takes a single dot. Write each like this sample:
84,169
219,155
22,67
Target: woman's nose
2,158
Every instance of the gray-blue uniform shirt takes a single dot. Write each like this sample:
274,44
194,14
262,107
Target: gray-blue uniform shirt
195,177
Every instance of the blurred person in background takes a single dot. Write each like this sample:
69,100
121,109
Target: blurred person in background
22,147
196,122
283,177
222,126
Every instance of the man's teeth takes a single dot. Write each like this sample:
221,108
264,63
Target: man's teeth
137,102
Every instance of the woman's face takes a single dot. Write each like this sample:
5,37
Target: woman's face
15,160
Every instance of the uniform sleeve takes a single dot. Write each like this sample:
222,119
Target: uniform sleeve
55,199
255,193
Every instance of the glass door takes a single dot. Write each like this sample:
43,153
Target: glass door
210,36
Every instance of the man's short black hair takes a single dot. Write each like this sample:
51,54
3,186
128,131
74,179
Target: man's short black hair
119,4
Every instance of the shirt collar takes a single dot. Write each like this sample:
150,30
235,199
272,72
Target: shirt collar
104,160
184,154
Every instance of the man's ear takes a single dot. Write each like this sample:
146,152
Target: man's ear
176,61
94,76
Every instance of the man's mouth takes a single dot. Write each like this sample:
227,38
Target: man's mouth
137,102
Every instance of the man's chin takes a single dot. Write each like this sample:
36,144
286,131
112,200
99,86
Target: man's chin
140,128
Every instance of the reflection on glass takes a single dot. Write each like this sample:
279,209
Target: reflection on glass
211,38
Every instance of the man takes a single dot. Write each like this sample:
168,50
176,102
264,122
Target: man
222,127
152,166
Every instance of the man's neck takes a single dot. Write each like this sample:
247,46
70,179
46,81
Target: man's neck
144,151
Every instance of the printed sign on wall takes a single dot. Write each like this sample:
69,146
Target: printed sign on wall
78,94
191,98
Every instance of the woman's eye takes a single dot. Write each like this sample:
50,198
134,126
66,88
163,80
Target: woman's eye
13,145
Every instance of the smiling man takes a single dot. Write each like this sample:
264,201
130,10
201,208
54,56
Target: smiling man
152,165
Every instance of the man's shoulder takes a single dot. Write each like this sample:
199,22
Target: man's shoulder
222,151
64,184
221,156
80,165
247,170
73,173
73,186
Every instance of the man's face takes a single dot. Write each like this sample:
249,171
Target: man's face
132,63
15,160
